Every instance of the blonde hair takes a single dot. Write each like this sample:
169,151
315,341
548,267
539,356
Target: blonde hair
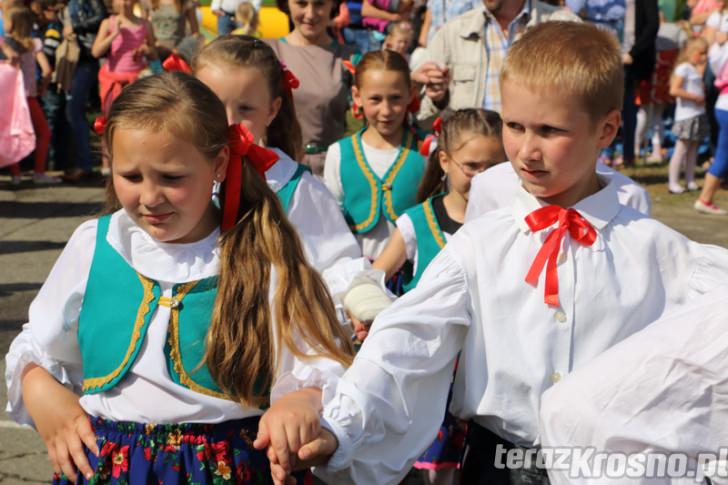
692,44
242,348
284,131
247,17
21,26
575,58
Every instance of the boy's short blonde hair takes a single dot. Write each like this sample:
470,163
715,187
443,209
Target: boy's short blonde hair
575,59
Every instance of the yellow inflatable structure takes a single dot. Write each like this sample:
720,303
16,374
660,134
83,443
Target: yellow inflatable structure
272,22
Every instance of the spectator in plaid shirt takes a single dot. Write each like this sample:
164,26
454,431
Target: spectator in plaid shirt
463,61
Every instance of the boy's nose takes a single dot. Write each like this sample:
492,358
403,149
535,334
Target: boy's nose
529,149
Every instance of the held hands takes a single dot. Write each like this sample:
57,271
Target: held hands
291,422
361,328
61,422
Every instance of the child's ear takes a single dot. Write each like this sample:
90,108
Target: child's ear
221,164
608,128
355,95
443,159
274,109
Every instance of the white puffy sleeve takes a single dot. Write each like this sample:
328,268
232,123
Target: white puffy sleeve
407,230
332,172
49,338
317,217
390,402
662,390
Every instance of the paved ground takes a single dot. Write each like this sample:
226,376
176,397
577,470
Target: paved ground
35,223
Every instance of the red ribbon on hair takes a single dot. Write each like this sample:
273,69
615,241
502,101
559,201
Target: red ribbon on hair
242,145
290,81
569,221
429,139
174,63
100,125
349,66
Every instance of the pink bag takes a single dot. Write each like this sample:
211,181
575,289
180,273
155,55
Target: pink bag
17,138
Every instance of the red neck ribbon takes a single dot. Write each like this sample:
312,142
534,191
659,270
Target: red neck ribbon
242,146
569,221
175,63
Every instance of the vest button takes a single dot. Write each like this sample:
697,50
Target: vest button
174,303
386,187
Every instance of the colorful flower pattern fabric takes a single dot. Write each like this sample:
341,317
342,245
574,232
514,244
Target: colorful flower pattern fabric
174,454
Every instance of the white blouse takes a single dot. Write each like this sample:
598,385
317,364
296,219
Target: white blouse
407,230
662,390
147,393
316,216
473,299
496,187
371,242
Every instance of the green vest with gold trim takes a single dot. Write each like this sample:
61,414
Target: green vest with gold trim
430,239
117,307
366,196
285,194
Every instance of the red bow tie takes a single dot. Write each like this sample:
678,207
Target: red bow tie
242,145
569,221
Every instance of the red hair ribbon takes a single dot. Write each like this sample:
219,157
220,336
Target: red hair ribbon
100,125
569,221
349,66
175,63
414,105
290,81
242,145
426,147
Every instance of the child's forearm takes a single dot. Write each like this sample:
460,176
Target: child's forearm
686,95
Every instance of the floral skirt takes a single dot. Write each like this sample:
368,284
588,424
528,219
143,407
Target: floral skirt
174,454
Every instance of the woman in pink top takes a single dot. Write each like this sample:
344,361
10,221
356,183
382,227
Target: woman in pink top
127,41
19,27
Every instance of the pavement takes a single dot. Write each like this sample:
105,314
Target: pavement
35,223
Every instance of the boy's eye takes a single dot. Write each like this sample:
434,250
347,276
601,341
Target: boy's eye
513,126
550,130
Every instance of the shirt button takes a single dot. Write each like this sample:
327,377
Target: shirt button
560,316
555,377
562,258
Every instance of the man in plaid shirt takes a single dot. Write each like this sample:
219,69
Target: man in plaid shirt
463,61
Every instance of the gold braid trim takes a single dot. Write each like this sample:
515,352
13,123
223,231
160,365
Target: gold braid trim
372,184
147,298
387,187
432,223
174,350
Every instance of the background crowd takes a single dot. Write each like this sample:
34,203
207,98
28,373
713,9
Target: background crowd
75,56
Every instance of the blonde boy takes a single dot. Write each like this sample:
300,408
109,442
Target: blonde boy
526,293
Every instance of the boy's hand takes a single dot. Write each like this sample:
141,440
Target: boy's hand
61,422
290,422
361,329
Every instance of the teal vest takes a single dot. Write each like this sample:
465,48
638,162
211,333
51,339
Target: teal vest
366,196
430,239
285,194
117,307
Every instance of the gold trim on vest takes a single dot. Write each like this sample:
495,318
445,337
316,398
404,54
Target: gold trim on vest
372,184
387,185
148,297
173,341
432,223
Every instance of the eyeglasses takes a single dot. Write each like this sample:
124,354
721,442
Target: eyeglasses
471,169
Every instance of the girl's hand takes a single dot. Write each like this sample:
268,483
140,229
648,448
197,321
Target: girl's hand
700,100
361,329
61,422
316,452
289,423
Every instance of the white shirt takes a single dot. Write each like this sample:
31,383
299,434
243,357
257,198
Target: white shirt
718,20
230,6
147,394
473,299
717,57
693,84
379,160
497,187
662,390
316,215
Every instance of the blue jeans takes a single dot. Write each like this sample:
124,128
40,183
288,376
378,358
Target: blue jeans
719,168
225,25
54,106
84,76
365,40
